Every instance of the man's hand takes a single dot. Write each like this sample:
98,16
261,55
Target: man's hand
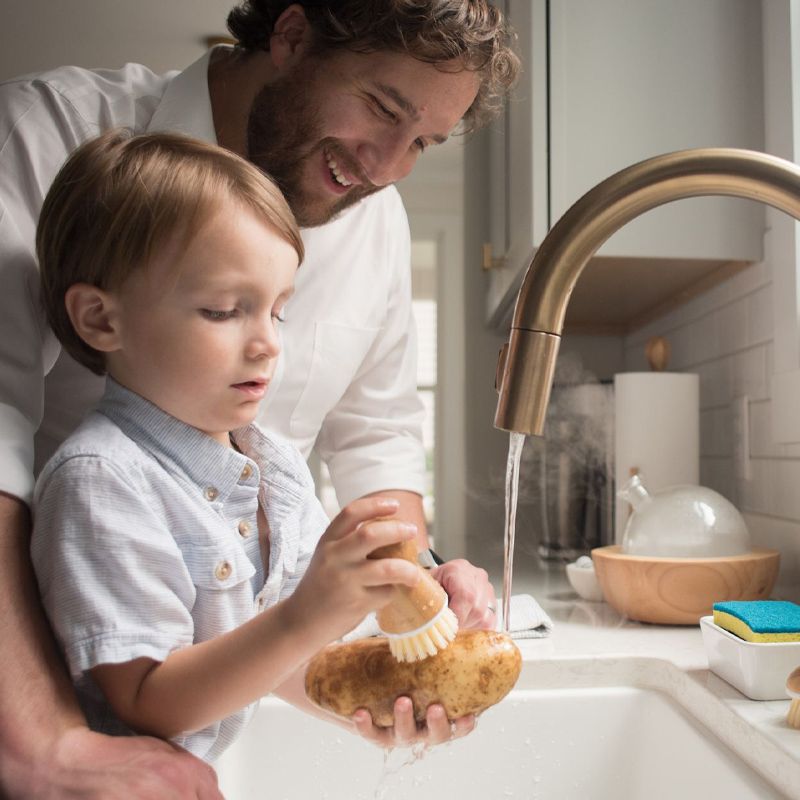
471,595
406,732
91,766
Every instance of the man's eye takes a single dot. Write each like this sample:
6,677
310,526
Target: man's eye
420,144
217,315
382,110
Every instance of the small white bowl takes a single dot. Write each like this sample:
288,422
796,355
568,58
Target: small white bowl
584,581
757,669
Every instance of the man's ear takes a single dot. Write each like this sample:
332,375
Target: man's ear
290,38
94,315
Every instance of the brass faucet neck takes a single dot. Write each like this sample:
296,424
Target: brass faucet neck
542,301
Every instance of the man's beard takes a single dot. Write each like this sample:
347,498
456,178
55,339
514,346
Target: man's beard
284,136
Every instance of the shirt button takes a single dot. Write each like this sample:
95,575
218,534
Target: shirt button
211,493
260,603
244,528
246,472
223,570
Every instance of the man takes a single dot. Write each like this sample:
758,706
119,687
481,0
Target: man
336,100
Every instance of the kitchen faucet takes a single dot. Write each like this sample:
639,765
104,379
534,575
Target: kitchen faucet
527,361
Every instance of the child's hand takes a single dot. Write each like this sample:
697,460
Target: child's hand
406,731
342,585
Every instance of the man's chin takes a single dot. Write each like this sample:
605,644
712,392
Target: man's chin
311,214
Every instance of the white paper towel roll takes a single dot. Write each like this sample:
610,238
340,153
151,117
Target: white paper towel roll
657,431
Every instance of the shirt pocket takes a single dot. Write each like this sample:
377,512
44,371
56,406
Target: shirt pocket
223,593
218,567
338,353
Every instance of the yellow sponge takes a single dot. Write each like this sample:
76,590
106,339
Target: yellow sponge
759,620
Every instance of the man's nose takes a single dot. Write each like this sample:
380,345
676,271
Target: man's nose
388,159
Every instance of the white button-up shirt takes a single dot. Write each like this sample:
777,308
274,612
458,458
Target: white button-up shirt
347,376
138,549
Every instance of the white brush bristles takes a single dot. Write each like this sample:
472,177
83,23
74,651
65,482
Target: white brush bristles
426,640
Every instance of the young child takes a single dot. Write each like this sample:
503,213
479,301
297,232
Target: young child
181,554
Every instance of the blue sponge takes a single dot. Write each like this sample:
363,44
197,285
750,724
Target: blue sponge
760,620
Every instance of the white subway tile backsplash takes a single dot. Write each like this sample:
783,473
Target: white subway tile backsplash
750,373
707,433
762,444
682,344
784,536
790,450
753,495
732,326
726,336
716,382
770,365
716,432
701,340
634,359
784,489
760,323
717,474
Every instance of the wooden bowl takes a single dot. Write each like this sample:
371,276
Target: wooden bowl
678,591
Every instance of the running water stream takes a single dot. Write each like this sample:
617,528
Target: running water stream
391,766
516,442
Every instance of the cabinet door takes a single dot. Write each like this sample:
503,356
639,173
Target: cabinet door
630,79
518,162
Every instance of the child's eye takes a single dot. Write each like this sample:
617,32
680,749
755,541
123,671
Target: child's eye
217,315
278,316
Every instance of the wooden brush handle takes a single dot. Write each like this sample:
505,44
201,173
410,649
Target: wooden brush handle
406,550
411,607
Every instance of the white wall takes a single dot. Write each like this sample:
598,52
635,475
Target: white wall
41,34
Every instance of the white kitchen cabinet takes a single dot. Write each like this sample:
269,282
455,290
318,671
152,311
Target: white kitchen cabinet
607,83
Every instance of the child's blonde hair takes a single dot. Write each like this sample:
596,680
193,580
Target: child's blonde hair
120,198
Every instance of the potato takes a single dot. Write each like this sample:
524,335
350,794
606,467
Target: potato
477,670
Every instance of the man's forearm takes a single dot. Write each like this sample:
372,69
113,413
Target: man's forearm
38,700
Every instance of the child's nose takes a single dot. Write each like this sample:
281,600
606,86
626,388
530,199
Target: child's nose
266,341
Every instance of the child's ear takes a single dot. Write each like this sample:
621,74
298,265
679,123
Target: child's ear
94,315
290,37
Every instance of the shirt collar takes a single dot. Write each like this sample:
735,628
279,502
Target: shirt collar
185,106
183,450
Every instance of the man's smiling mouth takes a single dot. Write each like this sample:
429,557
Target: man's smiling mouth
335,171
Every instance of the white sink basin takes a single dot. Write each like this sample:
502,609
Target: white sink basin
579,729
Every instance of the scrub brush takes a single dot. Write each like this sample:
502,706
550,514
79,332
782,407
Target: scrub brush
793,690
417,620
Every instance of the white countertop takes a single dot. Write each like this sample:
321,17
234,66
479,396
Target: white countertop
671,659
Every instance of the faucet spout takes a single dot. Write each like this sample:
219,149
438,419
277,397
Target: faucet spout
527,362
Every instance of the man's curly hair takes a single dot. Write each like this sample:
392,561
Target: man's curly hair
434,31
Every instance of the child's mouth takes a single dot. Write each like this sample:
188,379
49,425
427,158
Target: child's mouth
253,388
